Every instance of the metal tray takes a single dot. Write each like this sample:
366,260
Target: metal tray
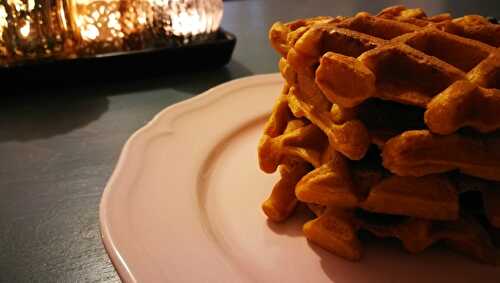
139,63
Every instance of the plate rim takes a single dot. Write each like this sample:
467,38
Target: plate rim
205,98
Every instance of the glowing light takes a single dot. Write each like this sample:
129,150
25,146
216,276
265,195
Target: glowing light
90,32
3,20
188,23
25,29
142,20
63,17
189,17
18,4
3,17
31,5
95,15
113,22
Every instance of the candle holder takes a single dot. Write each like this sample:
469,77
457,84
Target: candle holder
31,30
38,33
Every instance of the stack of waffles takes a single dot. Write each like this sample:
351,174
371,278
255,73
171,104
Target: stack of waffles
388,124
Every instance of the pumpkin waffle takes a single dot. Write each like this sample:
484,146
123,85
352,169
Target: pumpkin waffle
282,201
286,136
387,123
336,230
380,56
384,120
284,35
348,184
293,146
380,119
400,203
348,136
419,153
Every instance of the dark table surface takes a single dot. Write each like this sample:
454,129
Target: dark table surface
59,145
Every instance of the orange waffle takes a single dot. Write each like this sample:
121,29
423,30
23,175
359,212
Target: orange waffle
380,56
419,153
364,184
336,230
345,186
302,139
381,120
381,124
283,35
348,136
282,201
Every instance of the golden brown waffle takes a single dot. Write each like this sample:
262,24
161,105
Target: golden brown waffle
348,136
302,140
336,230
381,56
424,91
419,153
384,120
429,197
283,35
413,16
474,27
341,184
345,185
464,104
330,183
380,119
282,201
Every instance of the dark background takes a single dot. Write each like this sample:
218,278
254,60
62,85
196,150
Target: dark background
59,145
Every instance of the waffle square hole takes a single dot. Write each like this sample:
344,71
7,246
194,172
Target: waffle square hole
396,73
382,28
493,80
345,42
379,114
448,48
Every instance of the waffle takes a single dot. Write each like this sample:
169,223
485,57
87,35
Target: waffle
345,186
282,36
384,120
387,124
376,115
419,152
336,230
286,136
342,184
383,54
346,135
282,200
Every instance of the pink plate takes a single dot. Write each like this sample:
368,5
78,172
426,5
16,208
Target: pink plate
183,205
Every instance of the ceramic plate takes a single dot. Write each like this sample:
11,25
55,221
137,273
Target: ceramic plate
183,205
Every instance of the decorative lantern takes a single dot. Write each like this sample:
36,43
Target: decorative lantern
55,29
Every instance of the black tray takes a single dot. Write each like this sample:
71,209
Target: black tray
200,55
